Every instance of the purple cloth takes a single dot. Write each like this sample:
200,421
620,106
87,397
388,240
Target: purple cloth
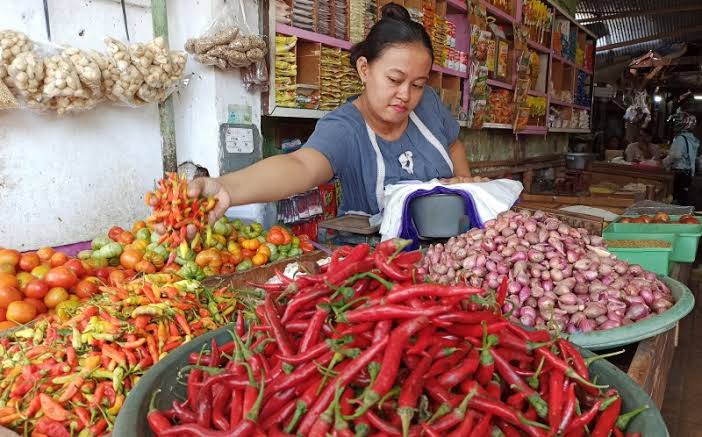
409,231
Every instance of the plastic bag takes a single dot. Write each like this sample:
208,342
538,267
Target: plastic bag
12,44
141,73
228,42
7,100
638,112
255,76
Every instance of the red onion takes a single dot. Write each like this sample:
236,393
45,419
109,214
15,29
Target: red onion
571,328
476,281
609,324
605,270
469,262
519,267
561,289
535,271
543,235
491,266
519,256
556,275
582,264
480,260
521,232
632,299
548,285
535,256
572,256
577,317
507,232
461,253
537,292
507,252
661,305
581,289
524,294
621,267
600,320
527,321
597,287
552,223
636,311
513,225
513,287
502,268
590,275
579,278
596,240
532,238
570,309
530,226
522,278
595,309
586,326
546,303
647,295
635,270
567,299
528,311
611,282
563,229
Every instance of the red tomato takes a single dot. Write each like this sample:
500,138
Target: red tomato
8,280
28,261
125,238
24,278
103,273
36,289
38,304
9,295
114,232
55,296
8,268
7,325
45,253
130,258
9,256
76,266
85,288
21,312
145,267
58,259
3,312
117,277
61,277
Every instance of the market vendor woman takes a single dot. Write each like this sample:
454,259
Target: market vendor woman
396,130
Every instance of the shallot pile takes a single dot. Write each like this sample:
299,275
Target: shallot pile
556,273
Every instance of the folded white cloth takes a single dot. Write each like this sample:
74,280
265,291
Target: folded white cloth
489,199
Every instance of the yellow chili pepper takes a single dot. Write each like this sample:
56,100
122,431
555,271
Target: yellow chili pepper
114,410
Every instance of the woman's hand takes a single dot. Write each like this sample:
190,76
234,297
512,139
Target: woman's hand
204,187
464,180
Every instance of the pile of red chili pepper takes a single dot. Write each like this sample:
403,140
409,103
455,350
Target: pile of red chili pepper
176,210
366,348
69,374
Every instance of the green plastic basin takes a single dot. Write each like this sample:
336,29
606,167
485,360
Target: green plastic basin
641,330
653,259
649,423
687,237
131,421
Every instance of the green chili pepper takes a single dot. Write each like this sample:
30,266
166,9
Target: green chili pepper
99,242
117,379
296,241
212,308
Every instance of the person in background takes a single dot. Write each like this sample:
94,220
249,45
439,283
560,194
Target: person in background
614,143
683,155
643,149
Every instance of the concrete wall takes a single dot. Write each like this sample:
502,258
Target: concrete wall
66,179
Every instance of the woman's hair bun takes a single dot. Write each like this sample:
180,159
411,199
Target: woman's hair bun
395,12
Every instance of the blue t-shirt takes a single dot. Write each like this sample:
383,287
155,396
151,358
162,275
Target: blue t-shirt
341,136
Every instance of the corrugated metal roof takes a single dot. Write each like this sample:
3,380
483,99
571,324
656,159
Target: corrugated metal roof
619,30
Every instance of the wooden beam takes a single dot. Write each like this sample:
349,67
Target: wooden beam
661,35
166,114
656,11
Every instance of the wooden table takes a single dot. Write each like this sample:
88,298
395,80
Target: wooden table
615,203
622,174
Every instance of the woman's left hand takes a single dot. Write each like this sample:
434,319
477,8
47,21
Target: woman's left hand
464,180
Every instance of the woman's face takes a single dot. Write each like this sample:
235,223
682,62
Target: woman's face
394,82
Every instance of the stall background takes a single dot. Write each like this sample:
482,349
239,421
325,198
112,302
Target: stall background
65,179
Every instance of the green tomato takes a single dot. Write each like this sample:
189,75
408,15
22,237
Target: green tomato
99,242
85,254
296,241
244,265
143,234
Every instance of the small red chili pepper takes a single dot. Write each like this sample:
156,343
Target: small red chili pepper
555,398
483,427
458,374
608,418
157,421
569,408
311,336
584,420
507,373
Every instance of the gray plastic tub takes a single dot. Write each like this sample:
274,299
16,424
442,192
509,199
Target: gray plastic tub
439,215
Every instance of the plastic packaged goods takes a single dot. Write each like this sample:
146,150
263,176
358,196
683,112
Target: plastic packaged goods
330,84
285,71
340,17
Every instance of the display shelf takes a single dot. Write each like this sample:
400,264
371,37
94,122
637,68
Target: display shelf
560,103
457,5
449,71
280,111
567,130
500,84
533,130
313,36
497,126
537,93
499,14
585,108
583,69
563,60
538,47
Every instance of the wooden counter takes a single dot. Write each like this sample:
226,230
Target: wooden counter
622,174
614,203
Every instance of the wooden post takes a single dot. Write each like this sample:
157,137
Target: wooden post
159,17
